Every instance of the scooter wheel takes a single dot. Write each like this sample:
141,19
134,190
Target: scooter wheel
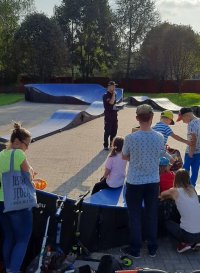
126,261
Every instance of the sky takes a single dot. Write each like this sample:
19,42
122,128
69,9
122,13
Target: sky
184,12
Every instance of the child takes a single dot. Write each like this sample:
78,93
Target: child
192,153
166,176
187,202
167,208
166,119
115,168
162,126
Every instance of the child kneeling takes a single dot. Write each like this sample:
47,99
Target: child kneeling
187,202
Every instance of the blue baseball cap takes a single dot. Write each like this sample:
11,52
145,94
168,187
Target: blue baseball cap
164,161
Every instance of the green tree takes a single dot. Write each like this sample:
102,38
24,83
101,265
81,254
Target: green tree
11,11
169,52
182,48
68,16
135,19
153,52
39,47
90,35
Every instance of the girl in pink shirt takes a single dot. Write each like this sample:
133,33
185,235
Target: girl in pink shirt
115,168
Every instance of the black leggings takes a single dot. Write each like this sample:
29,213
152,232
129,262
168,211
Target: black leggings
100,186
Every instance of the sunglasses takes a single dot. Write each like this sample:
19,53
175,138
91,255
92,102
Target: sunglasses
26,144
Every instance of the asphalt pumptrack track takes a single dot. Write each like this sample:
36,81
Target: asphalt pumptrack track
66,122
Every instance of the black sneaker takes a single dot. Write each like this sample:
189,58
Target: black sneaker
106,149
129,251
152,253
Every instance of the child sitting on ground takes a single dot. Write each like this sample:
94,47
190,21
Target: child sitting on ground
166,209
187,202
166,176
115,168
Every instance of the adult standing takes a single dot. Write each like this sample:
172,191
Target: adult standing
192,153
143,150
15,225
110,115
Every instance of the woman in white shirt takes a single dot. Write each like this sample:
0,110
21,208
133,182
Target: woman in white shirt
187,202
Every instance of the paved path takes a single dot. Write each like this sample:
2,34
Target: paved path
72,161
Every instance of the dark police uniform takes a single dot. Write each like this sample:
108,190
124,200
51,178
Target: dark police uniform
110,119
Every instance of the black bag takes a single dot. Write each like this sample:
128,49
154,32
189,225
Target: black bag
109,264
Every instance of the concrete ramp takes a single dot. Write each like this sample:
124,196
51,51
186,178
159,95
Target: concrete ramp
67,93
158,104
63,120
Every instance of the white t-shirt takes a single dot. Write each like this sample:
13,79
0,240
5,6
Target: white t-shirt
117,167
194,127
189,209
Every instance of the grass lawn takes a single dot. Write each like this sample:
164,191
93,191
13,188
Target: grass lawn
6,99
185,99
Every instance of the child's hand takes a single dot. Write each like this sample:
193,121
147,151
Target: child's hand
193,139
172,160
160,197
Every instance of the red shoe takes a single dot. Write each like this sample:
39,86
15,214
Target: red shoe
182,247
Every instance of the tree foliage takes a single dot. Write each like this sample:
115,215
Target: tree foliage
169,52
39,47
134,19
89,33
11,11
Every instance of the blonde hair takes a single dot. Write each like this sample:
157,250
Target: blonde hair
117,145
182,180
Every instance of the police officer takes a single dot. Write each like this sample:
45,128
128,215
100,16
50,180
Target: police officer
110,115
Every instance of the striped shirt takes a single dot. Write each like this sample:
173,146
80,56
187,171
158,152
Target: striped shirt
164,129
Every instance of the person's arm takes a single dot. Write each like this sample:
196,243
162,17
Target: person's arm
125,149
26,167
178,138
106,173
125,157
112,100
169,194
192,147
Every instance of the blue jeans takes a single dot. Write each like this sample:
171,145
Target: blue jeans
193,164
17,228
135,195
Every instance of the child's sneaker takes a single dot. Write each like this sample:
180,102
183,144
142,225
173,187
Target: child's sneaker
182,247
196,246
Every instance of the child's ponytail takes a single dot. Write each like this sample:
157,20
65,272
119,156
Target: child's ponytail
117,146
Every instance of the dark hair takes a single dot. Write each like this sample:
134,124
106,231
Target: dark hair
117,145
182,180
19,132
